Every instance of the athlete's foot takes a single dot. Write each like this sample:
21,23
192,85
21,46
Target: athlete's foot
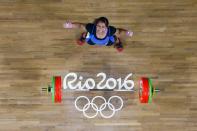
79,42
119,47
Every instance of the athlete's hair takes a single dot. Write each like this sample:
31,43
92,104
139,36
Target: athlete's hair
103,20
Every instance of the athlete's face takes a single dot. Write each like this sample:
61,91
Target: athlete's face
101,28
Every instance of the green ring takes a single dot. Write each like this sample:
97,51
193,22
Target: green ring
52,88
150,91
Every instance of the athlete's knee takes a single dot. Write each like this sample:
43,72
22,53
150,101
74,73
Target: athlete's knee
84,34
117,40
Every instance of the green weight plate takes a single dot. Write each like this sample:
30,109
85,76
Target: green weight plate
150,91
52,89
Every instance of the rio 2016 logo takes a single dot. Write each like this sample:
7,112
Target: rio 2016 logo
73,81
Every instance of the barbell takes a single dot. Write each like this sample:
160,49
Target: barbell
146,90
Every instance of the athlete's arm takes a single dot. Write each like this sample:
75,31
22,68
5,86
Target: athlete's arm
74,25
120,31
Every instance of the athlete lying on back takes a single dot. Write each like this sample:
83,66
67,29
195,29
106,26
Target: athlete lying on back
100,33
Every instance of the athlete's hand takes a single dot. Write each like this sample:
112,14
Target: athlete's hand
129,33
68,25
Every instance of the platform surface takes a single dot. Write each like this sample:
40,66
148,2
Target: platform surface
34,47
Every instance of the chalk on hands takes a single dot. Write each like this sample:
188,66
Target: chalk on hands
68,25
130,33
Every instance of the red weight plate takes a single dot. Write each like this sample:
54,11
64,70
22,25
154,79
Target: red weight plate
58,90
144,92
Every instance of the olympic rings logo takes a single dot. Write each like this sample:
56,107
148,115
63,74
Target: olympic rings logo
99,109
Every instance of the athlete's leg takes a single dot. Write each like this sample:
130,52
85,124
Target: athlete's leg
118,44
82,38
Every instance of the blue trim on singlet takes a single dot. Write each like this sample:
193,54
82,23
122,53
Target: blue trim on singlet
91,37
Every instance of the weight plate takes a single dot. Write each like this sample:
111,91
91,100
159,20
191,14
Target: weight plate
52,88
150,91
58,91
144,90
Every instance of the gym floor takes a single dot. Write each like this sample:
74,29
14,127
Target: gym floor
34,46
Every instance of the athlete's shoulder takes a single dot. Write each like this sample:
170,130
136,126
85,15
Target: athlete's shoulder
112,30
89,27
